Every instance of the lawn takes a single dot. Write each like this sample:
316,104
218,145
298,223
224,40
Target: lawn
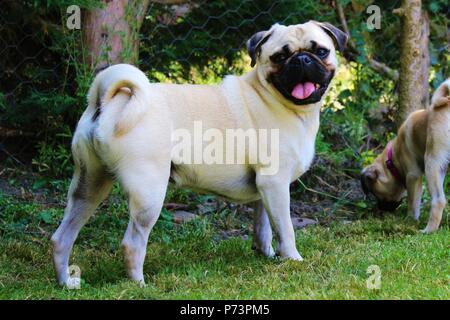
195,260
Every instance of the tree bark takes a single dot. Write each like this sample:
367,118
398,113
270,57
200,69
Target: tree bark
111,33
414,59
425,70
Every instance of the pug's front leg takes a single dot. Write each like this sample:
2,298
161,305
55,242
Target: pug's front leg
276,199
414,188
262,237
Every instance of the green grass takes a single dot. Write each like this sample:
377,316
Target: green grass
192,262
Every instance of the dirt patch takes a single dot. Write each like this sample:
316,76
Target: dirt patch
21,186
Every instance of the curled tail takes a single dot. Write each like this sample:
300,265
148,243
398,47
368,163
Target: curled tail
120,78
441,97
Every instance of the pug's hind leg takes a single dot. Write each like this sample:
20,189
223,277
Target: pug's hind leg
435,180
262,238
146,186
89,187
414,187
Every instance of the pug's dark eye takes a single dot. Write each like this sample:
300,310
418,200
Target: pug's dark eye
322,52
279,57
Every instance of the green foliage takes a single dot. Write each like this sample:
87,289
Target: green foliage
53,160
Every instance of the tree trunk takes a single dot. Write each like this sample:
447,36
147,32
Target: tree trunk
414,59
111,33
425,70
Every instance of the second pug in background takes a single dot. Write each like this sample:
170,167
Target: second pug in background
126,132
422,147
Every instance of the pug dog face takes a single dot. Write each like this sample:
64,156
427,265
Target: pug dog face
297,62
377,180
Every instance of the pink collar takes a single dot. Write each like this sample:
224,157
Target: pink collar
391,166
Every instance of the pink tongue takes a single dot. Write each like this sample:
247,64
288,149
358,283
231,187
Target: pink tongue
303,90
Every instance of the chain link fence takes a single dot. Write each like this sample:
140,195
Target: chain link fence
180,40
38,53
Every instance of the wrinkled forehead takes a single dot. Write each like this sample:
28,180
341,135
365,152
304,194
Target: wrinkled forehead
299,36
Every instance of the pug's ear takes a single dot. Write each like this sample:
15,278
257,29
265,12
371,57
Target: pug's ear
339,37
368,178
254,44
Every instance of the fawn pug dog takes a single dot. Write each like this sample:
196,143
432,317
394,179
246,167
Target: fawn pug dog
422,146
126,134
